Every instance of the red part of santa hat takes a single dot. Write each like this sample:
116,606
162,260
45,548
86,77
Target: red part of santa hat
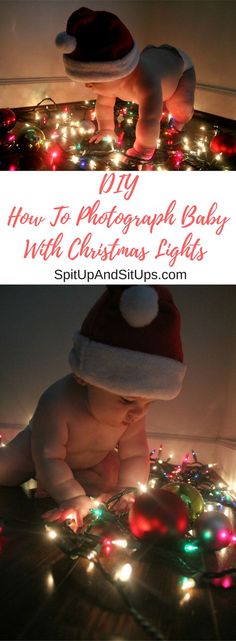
97,46
130,343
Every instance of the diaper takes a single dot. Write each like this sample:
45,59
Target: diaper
187,60
185,57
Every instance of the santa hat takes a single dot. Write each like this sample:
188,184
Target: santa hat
130,344
97,46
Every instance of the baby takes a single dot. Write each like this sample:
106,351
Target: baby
100,51
87,435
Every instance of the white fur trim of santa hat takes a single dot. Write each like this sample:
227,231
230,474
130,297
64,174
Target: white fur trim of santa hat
101,71
126,372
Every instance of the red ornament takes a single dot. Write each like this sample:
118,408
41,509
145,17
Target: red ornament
158,515
7,120
224,144
7,139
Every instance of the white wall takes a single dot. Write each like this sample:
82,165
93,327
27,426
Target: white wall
206,30
31,67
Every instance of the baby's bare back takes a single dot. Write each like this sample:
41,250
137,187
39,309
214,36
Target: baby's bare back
157,68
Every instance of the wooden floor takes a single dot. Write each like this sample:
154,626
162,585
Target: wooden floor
46,595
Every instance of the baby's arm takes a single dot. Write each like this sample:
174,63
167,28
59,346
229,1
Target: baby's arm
105,118
134,456
49,441
148,125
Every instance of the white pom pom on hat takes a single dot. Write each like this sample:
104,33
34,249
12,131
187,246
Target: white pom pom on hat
139,305
65,42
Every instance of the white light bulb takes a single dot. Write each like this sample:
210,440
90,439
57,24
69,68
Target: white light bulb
124,573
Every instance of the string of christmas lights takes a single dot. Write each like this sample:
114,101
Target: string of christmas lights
180,516
183,552
56,137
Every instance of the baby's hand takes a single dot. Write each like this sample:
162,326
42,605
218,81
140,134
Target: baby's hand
104,134
141,154
125,503
73,509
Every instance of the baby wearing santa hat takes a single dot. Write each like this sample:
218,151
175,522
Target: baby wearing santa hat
87,435
99,51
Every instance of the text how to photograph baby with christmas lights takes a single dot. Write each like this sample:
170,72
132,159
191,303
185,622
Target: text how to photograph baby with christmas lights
100,51
87,436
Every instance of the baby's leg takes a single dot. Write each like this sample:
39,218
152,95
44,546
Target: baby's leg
103,477
16,465
181,104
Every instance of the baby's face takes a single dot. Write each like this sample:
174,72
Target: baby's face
114,410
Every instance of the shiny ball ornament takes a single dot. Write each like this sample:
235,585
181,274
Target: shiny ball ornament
213,530
31,138
86,128
190,496
7,140
91,114
223,143
7,120
158,515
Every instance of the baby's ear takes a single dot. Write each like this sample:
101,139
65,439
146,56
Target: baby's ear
79,380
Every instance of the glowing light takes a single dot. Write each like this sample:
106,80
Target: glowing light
50,581
187,583
52,534
152,483
120,543
227,582
116,160
190,547
92,555
207,535
142,488
124,573
107,138
90,567
223,535
210,507
97,511
75,159
185,598
92,164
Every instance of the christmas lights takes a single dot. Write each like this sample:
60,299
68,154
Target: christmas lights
108,544
51,137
